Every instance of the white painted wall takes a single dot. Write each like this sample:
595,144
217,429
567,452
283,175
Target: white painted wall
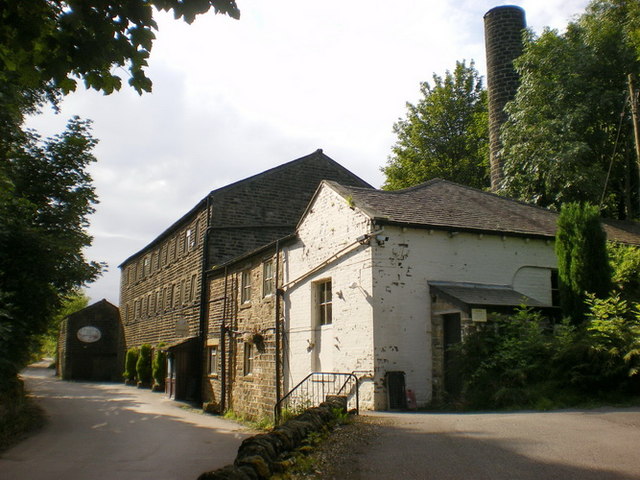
330,226
404,265
381,301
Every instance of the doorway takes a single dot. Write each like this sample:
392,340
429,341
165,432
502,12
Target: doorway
452,362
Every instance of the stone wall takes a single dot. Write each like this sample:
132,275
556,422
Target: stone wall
261,456
250,326
160,287
97,355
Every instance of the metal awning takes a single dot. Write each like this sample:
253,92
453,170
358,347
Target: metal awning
482,295
190,342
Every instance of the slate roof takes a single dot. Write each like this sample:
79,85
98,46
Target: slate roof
262,208
485,295
444,205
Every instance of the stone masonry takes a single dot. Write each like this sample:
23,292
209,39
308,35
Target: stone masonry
249,321
503,28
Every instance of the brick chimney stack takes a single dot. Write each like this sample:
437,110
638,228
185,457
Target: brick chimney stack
503,42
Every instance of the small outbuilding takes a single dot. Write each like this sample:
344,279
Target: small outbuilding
91,344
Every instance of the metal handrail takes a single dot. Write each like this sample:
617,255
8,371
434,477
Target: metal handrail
314,395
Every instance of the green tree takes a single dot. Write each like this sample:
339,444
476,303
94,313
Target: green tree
583,265
445,135
43,220
73,302
54,42
46,47
565,139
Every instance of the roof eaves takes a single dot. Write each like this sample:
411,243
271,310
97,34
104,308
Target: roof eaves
453,228
257,251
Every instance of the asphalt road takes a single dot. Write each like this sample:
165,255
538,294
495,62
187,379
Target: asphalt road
602,444
99,431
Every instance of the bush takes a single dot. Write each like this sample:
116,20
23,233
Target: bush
143,365
502,359
159,368
583,264
131,359
521,361
625,261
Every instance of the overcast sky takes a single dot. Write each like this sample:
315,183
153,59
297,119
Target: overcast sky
233,98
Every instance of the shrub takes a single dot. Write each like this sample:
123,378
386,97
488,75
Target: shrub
143,366
131,359
583,264
625,261
159,368
501,360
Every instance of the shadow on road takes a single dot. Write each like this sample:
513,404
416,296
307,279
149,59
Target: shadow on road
401,452
107,431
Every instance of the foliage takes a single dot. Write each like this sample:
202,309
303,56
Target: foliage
614,331
583,265
130,364
143,365
502,359
44,206
444,135
74,302
159,366
625,262
46,195
522,361
565,140
264,423
52,43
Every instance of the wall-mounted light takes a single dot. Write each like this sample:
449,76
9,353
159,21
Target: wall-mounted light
381,239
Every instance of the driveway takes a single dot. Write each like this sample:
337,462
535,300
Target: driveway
601,444
113,432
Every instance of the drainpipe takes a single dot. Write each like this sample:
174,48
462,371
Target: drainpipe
277,325
223,348
204,299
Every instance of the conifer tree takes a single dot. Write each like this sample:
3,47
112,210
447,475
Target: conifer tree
583,265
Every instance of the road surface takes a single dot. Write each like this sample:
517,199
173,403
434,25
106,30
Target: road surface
99,431
601,444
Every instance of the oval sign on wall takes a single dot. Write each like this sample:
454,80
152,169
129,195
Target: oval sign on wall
89,334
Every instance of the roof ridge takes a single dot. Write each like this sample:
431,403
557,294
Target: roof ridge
317,153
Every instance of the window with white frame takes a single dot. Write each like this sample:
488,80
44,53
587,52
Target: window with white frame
268,283
323,295
245,286
248,358
187,240
213,360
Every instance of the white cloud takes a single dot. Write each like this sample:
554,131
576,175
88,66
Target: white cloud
233,98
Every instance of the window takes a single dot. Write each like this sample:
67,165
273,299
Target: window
267,279
248,358
178,301
187,240
145,267
158,301
192,286
213,360
245,286
170,296
324,302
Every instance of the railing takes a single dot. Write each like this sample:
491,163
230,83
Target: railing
315,388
